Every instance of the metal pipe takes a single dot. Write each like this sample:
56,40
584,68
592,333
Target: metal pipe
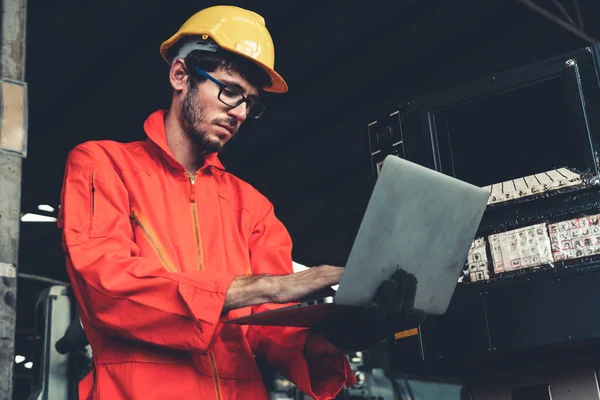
578,13
41,279
563,11
553,18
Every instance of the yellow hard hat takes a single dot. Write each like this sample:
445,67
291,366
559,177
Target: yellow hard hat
236,30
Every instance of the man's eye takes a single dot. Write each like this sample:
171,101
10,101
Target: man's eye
231,93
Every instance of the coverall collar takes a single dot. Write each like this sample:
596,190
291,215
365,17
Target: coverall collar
155,129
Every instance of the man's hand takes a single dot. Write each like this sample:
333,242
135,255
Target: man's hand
390,310
310,284
313,283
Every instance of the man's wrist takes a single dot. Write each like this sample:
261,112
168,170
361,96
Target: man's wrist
269,288
252,290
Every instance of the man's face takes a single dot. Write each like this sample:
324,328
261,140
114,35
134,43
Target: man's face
208,122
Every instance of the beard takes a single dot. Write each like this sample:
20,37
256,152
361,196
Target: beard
193,117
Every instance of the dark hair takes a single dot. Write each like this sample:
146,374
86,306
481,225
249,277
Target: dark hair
211,61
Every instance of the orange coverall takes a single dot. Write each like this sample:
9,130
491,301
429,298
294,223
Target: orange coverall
151,252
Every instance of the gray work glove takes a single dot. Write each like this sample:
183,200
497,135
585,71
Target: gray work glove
391,310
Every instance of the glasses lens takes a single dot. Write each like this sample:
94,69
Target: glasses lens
256,110
231,96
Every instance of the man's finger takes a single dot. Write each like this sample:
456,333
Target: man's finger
411,292
398,300
384,297
414,319
404,300
399,275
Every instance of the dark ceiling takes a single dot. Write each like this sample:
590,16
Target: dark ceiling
94,72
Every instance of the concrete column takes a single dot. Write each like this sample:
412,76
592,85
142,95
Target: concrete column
12,64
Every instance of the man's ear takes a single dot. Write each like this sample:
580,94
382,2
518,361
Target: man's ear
178,75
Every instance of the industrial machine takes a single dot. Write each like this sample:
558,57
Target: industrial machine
525,304
52,358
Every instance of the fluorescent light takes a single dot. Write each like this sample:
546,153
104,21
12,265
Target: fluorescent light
45,207
28,365
29,217
19,359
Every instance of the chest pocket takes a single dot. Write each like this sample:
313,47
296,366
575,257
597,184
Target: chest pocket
89,198
143,231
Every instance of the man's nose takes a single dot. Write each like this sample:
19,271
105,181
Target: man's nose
239,112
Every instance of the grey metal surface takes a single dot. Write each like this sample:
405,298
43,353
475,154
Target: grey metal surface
58,378
567,383
53,375
419,220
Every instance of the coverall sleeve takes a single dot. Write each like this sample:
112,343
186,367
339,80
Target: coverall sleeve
120,292
321,375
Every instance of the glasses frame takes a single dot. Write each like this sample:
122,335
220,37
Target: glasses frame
250,104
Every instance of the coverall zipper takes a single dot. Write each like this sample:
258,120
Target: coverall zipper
157,247
196,224
211,355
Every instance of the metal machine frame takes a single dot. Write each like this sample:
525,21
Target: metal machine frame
533,318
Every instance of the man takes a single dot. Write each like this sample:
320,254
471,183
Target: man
162,244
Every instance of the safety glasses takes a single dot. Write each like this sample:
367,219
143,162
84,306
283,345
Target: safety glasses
232,97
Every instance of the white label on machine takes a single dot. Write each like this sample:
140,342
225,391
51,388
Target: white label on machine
532,185
575,238
477,261
520,248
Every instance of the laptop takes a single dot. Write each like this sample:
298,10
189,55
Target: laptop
417,219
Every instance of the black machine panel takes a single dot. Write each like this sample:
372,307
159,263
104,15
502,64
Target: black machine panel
546,313
522,122
525,131
385,137
532,280
463,332
456,335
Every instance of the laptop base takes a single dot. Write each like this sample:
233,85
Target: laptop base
298,316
